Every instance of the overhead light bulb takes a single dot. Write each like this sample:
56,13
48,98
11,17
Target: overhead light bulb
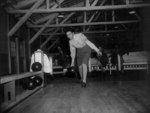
107,34
116,27
132,12
61,15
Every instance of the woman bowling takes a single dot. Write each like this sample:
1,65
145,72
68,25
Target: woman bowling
79,42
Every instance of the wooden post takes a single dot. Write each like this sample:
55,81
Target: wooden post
87,3
113,12
24,57
29,47
17,55
43,76
90,66
9,91
51,64
47,4
127,2
110,71
119,69
119,62
9,47
85,17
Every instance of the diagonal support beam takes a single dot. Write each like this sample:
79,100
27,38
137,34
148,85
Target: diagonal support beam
24,18
41,30
43,19
94,3
53,43
57,29
23,3
50,30
121,23
51,17
138,16
50,37
47,17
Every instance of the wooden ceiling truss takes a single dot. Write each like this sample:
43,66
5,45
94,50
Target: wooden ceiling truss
86,14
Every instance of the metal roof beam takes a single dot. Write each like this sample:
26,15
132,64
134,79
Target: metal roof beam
88,32
91,8
87,24
46,17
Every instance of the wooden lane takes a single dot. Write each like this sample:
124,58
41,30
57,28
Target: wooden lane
65,95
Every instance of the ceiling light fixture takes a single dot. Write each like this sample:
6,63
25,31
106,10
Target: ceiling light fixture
60,15
116,27
132,12
107,34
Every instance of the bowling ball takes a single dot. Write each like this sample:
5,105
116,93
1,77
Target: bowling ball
71,72
36,66
28,83
31,83
38,80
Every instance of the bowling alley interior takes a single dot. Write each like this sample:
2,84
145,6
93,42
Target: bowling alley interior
36,75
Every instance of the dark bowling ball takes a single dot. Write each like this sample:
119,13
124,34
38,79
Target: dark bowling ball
38,80
71,72
36,66
31,84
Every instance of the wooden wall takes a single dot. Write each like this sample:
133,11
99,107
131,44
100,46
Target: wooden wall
3,43
145,28
6,23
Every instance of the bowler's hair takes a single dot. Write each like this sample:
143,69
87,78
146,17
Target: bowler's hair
68,29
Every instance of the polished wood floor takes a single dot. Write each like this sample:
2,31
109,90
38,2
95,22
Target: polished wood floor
65,95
